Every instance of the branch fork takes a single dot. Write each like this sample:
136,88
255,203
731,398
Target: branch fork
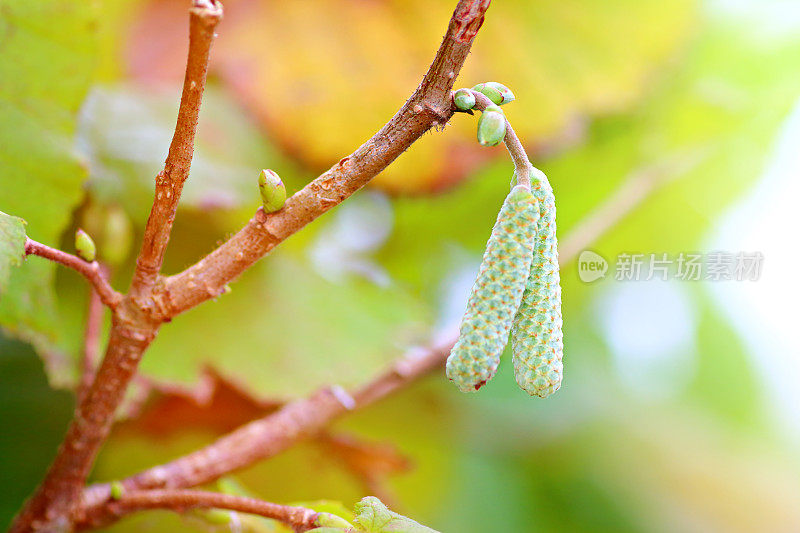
60,502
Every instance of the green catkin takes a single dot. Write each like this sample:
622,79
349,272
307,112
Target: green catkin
496,293
536,337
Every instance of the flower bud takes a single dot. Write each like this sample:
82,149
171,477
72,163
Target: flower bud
464,100
117,490
495,91
491,126
273,191
85,246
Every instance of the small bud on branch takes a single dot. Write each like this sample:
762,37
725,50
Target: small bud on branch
273,191
84,245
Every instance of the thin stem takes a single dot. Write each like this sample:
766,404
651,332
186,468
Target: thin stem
132,329
298,518
91,271
139,316
91,343
266,437
205,15
522,165
429,106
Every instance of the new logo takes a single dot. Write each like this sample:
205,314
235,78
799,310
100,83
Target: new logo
591,266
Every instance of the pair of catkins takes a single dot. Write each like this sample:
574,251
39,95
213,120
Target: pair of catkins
517,291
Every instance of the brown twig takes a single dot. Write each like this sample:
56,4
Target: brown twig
429,106
298,518
205,15
268,436
132,329
91,271
91,342
137,319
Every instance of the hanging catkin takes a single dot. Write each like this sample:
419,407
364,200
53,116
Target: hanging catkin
496,293
536,338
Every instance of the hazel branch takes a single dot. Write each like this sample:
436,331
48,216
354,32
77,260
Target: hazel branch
268,436
132,331
204,17
429,106
91,343
279,431
147,306
91,271
298,518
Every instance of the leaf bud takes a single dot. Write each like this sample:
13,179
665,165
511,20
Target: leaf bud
491,126
85,246
273,191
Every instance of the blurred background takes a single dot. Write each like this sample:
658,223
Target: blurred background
665,128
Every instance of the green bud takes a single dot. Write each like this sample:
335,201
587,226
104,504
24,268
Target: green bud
498,93
273,191
491,126
464,99
504,91
117,490
85,246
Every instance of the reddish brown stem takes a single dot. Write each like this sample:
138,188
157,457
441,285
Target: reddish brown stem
265,437
268,436
298,518
429,106
139,316
132,330
514,146
205,15
91,271
50,507
91,343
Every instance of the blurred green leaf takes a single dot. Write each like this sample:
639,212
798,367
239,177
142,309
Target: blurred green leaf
284,330
563,59
34,418
12,246
125,133
372,516
49,53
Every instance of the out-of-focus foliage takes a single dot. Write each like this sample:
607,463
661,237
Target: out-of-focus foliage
48,59
321,90
679,99
12,246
